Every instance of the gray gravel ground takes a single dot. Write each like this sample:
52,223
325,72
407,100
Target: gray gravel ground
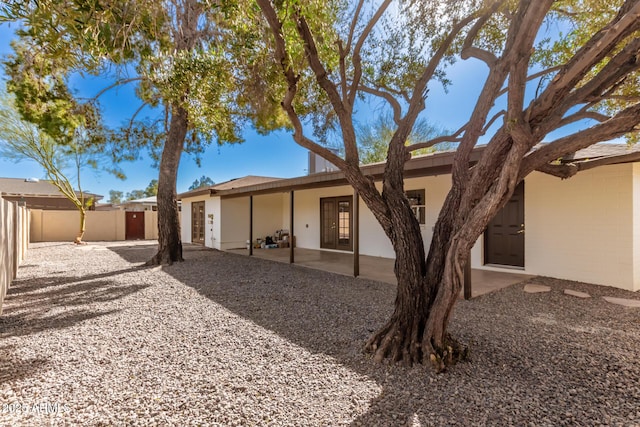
88,337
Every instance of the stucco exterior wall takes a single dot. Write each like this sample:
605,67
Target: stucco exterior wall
14,239
52,226
268,214
582,228
586,228
212,224
150,225
185,219
234,223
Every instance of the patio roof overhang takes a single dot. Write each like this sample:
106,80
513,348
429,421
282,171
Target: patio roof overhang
435,164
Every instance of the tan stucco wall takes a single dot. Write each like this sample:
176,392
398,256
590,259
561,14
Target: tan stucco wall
52,226
212,230
150,225
234,223
104,225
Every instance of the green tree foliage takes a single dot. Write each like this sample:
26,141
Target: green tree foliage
22,140
189,59
569,90
204,181
152,188
115,197
135,195
373,138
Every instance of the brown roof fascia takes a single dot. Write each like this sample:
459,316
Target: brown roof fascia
434,164
197,192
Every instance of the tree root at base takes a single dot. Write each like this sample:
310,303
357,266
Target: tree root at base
401,346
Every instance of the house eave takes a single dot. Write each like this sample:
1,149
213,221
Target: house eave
435,164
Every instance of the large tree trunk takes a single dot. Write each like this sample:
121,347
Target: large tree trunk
169,241
416,332
428,291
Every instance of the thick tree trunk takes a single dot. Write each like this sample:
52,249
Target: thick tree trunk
169,241
416,332
428,292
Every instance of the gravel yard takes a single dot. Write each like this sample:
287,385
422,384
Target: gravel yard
88,337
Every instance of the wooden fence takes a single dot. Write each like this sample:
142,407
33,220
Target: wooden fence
14,240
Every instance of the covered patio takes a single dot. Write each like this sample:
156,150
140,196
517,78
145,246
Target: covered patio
376,268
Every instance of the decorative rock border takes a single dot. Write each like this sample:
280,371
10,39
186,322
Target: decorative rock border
577,294
532,288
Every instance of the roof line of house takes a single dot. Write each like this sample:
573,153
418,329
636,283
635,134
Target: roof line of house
438,163
435,164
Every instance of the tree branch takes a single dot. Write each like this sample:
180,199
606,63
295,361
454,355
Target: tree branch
292,81
116,84
468,50
591,53
567,170
357,61
582,115
623,122
393,102
430,143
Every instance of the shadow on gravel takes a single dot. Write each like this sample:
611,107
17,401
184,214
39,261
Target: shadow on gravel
136,253
61,302
541,359
22,286
14,368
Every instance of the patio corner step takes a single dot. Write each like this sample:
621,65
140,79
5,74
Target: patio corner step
577,294
536,289
634,303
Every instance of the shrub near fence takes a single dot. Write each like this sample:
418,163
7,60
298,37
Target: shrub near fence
14,239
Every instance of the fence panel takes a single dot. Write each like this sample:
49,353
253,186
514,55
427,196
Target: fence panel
14,229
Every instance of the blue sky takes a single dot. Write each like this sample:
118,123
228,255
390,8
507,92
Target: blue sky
273,155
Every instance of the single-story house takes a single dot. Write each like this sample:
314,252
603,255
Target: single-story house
586,228
139,205
39,194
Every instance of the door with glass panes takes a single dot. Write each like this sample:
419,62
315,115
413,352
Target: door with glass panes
336,223
197,222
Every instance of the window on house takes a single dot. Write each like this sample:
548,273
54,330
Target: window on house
418,204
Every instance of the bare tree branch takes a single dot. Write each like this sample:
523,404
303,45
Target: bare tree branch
567,170
292,80
357,60
393,102
591,53
582,115
623,122
116,84
534,76
430,143
468,50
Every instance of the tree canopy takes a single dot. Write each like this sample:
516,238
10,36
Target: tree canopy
62,162
203,181
190,63
568,89
373,138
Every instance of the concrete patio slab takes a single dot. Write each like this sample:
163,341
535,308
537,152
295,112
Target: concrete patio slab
377,268
577,294
536,289
633,303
